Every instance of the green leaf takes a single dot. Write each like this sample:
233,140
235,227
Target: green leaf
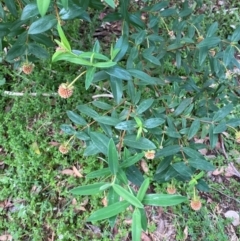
191,152
87,111
42,39
16,51
88,189
153,122
119,73
194,128
107,120
112,198
102,105
100,141
143,189
111,3
65,4
103,65
209,42
138,74
201,164
67,129
136,225
82,136
109,211
142,143
117,88
127,196
213,138
42,25
223,112
182,106
77,119
99,173
140,37
172,133
131,160
112,157
29,11
144,220
37,51
168,151
122,177
183,169
43,6
236,35
89,76
11,6
126,125
212,29
122,44
163,200
219,128
159,6
144,105
63,38
203,52
134,175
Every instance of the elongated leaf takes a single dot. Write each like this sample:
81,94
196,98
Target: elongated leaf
88,189
201,164
102,105
153,122
119,73
38,51
82,136
77,119
143,189
212,29
220,128
43,6
122,45
117,88
144,105
29,11
99,173
103,65
168,151
223,112
183,169
182,106
109,211
127,196
65,4
134,175
67,129
112,157
141,143
136,225
89,76
142,76
42,25
64,40
11,6
107,120
194,128
163,200
131,160
87,111
144,220
236,35
100,141
126,125
191,152
112,198
209,42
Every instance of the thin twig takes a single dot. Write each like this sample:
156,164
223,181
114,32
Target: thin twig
32,94
102,95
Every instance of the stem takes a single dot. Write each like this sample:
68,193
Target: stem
77,78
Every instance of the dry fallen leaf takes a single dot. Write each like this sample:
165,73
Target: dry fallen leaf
68,172
233,215
185,231
144,237
76,172
144,166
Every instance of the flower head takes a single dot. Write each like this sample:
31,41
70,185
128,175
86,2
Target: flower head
27,68
196,204
63,148
171,189
150,154
65,91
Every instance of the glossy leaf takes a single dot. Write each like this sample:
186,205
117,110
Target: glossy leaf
144,105
163,200
107,120
141,143
138,74
89,76
168,151
183,169
143,189
111,3
77,119
64,40
102,105
11,6
122,44
219,128
194,128
126,125
136,225
134,175
131,160
42,24
209,42
103,65
29,11
99,173
119,73
100,141
109,211
201,164
88,189
112,198
43,6
87,111
182,106
129,197
153,122
117,88
223,112
191,152
65,4
112,157
67,129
